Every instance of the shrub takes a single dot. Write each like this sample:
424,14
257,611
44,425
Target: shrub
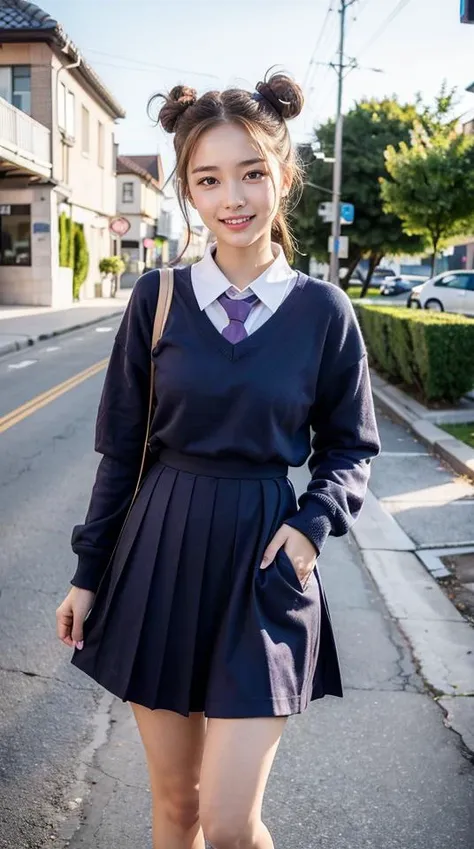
111,265
81,259
431,352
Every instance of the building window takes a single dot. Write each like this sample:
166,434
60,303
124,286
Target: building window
70,114
100,144
85,130
127,193
15,86
15,234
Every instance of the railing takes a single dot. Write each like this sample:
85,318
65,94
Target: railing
24,137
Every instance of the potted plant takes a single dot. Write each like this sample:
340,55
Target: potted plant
110,268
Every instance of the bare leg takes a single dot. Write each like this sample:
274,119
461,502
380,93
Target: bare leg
174,747
237,760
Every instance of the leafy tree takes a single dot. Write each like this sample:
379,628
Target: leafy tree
81,259
368,129
431,185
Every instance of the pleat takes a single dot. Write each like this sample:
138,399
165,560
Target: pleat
185,620
125,611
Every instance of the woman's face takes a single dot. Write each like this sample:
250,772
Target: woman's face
228,179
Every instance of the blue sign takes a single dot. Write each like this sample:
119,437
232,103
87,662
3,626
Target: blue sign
347,213
41,227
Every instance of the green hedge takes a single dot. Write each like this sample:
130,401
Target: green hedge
73,252
431,352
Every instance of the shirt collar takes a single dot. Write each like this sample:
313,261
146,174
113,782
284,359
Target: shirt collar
209,281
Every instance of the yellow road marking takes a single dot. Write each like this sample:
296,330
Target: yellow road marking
45,398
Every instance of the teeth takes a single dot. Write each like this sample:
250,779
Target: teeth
236,220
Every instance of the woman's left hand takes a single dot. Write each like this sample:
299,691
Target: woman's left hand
299,549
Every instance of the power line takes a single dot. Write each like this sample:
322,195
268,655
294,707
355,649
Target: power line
145,65
320,38
398,8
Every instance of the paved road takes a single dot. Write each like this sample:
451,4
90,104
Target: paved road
375,769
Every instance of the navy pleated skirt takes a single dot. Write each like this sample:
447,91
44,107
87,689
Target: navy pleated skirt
185,620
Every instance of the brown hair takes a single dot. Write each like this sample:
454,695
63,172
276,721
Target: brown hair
262,113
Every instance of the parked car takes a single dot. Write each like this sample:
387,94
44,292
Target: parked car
451,291
400,284
380,275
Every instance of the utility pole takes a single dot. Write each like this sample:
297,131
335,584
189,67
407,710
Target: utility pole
337,170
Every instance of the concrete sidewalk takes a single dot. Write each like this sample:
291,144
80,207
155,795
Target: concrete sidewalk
418,514
21,327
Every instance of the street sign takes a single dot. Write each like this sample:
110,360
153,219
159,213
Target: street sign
119,226
347,213
342,247
326,211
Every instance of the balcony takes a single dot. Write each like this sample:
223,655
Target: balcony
25,146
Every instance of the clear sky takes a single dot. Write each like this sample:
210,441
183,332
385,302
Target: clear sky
139,47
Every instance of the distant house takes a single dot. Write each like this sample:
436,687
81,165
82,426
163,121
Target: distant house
141,201
200,238
57,155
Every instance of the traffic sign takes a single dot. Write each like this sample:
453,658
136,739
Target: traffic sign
347,213
326,211
342,246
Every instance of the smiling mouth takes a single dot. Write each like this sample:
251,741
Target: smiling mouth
240,220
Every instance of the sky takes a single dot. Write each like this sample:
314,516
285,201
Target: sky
140,47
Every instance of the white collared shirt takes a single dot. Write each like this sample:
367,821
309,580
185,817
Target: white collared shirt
271,287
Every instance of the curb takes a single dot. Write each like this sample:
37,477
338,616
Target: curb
28,341
440,639
420,421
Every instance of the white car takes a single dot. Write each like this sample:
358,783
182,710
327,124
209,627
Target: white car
451,291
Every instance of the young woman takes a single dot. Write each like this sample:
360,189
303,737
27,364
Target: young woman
211,619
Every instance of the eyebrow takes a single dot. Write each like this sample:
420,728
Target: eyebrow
216,168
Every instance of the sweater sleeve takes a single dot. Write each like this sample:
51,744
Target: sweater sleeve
345,436
119,436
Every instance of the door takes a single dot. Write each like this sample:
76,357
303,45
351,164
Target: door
451,291
469,298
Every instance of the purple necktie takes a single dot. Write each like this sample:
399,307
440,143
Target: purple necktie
238,310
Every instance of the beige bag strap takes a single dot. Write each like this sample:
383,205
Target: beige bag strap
165,295
162,309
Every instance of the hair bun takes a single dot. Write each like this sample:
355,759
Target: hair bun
284,94
176,102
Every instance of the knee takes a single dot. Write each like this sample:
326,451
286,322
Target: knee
228,833
179,804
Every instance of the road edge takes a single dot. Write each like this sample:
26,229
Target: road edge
440,639
29,341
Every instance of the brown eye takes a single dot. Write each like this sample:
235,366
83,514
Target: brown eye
203,181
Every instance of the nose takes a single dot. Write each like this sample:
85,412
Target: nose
234,196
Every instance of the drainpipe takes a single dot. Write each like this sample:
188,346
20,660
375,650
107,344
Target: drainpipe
75,64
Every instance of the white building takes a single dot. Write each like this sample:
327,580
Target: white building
143,204
57,155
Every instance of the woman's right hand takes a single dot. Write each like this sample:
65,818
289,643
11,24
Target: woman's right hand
70,616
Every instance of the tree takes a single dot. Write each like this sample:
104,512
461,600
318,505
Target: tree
81,259
368,129
431,185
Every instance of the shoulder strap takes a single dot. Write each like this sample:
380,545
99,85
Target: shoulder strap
163,305
165,294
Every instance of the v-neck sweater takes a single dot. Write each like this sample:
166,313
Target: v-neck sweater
297,387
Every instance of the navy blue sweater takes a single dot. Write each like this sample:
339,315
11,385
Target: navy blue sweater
305,369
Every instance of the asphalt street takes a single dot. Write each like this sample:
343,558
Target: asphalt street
375,769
